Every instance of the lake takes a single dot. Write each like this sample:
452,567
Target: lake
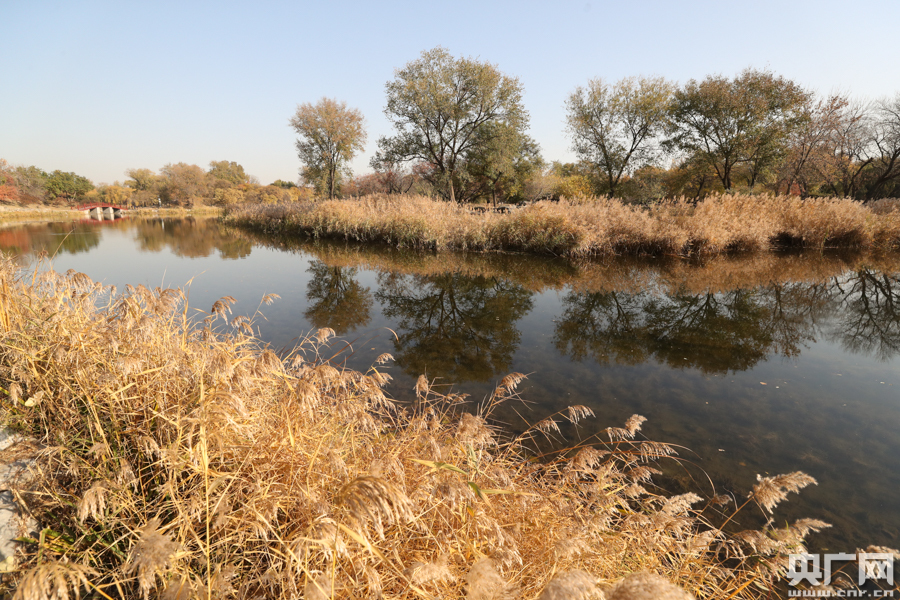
763,364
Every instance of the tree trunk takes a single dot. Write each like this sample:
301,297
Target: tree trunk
331,183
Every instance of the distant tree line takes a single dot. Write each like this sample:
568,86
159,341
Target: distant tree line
460,133
179,184
33,185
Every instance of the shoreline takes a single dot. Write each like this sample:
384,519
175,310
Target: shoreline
715,272
9,214
333,467
588,227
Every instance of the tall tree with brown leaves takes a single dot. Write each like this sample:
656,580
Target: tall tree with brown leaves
330,135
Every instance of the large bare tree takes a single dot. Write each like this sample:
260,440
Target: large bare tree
886,139
811,143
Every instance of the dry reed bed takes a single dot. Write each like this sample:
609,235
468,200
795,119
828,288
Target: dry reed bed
715,273
184,459
590,227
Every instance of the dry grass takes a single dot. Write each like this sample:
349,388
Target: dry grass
15,214
12,214
184,460
591,227
709,273
176,211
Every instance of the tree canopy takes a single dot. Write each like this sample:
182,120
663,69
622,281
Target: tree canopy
330,136
228,171
184,183
67,185
141,180
741,121
613,126
447,111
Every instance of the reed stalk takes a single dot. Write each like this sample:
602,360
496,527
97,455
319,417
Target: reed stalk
180,458
590,226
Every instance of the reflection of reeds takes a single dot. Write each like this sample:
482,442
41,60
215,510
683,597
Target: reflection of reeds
727,223
210,467
714,274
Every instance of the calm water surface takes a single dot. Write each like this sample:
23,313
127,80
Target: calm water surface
759,365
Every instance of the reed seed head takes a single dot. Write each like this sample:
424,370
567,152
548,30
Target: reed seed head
770,491
150,555
574,585
646,586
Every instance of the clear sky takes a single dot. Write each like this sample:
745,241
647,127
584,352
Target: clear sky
101,87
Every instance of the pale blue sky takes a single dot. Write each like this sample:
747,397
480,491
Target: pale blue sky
100,87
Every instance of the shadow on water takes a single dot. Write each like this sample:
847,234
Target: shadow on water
189,237
869,302
844,433
761,364
712,332
33,239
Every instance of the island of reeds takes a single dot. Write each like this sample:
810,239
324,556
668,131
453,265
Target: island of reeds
589,226
179,457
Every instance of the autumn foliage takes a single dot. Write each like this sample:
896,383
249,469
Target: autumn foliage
8,191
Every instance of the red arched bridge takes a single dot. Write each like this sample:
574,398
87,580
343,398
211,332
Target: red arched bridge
102,211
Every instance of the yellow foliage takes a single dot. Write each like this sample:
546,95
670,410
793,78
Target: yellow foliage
228,196
573,186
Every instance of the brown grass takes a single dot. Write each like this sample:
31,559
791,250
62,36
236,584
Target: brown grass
176,211
590,227
709,273
184,459
10,214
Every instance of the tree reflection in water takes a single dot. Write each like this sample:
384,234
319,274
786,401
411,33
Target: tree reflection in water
454,327
712,332
49,238
870,313
336,299
189,237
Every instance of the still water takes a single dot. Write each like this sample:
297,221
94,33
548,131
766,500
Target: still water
757,365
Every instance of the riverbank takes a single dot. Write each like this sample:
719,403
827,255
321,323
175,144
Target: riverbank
712,273
15,213
589,227
188,456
